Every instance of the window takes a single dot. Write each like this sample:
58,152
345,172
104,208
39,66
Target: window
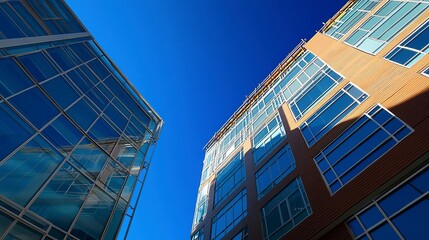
399,214
94,215
27,170
332,112
267,138
13,130
385,24
198,235
30,103
13,78
351,17
285,211
413,48
229,216
229,178
202,201
366,140
242,235
426,72
275,170
17,21
313,90
62,198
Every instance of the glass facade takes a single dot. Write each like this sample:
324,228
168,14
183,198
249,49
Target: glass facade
286,210
385,24
389,216
274,171
332,112
413,48
365,141
350,18
267,138
74,133
229,178
229,216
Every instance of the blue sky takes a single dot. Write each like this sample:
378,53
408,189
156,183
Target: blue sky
194,61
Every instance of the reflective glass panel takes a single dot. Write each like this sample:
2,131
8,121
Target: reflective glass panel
62,198
27,170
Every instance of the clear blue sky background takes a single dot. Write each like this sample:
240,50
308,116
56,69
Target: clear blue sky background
194,61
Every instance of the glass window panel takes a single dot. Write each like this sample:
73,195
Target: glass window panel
60,58
412,223
62,198
62,134
298,204
355,227
360,145
82,113
398,199
78,78
38,66
371,216
13,130
94,215
276,169
333,111
98,68
115,222
104,134
5,222
30,103
82,52
8,28
22,231
113,176
394,16
13,78
88,157
25,172
412,206
385,231
61,91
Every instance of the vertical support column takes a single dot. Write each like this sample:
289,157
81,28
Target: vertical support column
253,211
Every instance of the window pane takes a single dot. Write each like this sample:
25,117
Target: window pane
13,130
360,145
38,66
94,215
13,78
61,91
63,196
30,103
25,172
22,231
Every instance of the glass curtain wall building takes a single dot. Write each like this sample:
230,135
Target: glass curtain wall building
76,136
333,143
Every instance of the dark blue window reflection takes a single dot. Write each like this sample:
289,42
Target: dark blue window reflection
94,215
25,172
63,196
116,220
359,146
35,106
83,113
13,78
22,231
5,222
333,111
61,91
13,130
413,48
38,66
399,214
61,58
62,134
89,158
413,223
